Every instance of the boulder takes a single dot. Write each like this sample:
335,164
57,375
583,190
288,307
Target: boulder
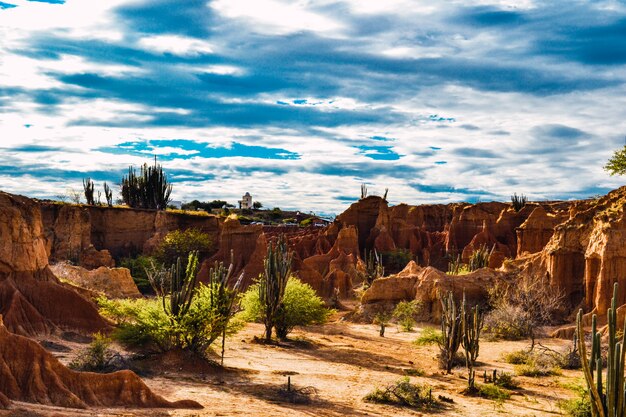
112,282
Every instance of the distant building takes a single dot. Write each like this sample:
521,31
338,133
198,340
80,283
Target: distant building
246,202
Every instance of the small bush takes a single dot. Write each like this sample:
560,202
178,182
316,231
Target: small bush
396,260
137,267
493,392
506,380
518,357
429,336
97,357
403,393
179,243
538,364
505,322
405,313
302,306
413,372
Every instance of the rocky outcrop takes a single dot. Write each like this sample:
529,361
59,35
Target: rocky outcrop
29,373
111,282
246,246
76,232
32,299
535,233
425,285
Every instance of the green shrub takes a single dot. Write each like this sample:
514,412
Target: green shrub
302,306
493,392
403,393
96,357
144,323
306,222
577,407
535,364
394,261
518,357
405,313
506,380
138,267
179,243
429,336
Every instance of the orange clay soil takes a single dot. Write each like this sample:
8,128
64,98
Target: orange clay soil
343,361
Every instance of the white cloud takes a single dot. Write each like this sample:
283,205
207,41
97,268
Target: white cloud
176,45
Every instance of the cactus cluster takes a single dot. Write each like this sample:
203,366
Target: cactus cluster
480,258
88,187
451,330
108,194
608,397
374,268
472,324
181,282
150,189
277,267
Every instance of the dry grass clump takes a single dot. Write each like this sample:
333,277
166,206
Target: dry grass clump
404,393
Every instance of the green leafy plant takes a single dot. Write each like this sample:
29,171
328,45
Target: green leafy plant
396,260
493,392
97,357
178,243
138,267
405,313
302,306
149,190
617,163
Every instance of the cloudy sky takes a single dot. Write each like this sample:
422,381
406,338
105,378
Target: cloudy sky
299,102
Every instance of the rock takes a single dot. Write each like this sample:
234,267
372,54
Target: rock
245,245
91,258
112,282
535,233
4,402
32,299
29,373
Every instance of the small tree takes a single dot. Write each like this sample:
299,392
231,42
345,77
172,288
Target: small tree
257,205
617,163
88,187
178,243
277,267
382,319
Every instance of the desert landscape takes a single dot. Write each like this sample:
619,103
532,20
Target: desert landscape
65,304
312,208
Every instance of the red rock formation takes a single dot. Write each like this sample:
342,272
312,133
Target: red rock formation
246,244
31,298
535,233
29,373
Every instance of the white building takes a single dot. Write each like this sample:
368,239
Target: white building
246,202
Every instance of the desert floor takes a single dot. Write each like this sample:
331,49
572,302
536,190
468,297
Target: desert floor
343,361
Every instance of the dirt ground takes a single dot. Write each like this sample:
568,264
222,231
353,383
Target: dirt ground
343,362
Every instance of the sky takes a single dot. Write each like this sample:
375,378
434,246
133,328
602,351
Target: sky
300,102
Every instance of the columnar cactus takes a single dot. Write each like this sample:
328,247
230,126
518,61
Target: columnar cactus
607,400
451,330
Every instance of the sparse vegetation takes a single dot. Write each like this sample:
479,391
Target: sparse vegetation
382,318
405,313
138,267
493,392
374,268
404,393
148,190
395,260
518,202
97,357
535,363
617,163
522,309
579,406
108,194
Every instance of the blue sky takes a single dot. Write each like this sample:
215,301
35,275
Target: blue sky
299,102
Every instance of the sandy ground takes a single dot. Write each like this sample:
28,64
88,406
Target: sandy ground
343,362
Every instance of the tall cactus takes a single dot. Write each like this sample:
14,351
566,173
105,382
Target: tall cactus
277,267
150,189
472,324
373,266
88,187
181,287
108,194
451,330
607,400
